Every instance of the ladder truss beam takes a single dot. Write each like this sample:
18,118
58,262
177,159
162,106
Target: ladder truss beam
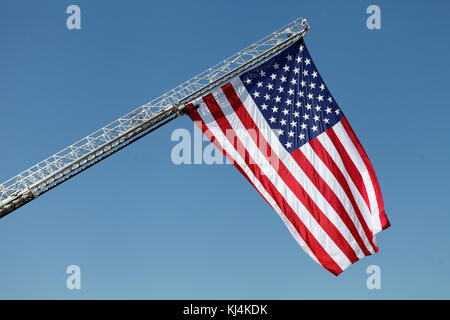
81,155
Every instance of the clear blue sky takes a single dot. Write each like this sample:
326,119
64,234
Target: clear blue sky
140,226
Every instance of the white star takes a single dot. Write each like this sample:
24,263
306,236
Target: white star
299,59
304,126
280,89
298,104
291,92
310,95
256,94
288,145
293,81
296,114
288,102
283,79
320,97
314,74
280,132
286,68
259,84
308,106
301,94
328,110
305,73
322,86
269,86
283,122
262,73
329,99
266,96
248,81
306,116
312,85
337,111
303,83
289,57
318,108
275,109
307,61
272,119
301,48
314,128
264,106
285,112
293,123
326,120
277,99
276,65
301,136
316,118
296,70
273,76
291,133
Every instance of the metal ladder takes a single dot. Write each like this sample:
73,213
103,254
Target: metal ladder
120,133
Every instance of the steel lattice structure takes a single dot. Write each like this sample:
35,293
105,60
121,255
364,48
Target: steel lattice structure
115,136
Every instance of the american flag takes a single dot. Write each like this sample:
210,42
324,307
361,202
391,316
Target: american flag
280,126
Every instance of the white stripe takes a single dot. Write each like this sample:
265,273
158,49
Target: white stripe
334,154
333,183
363,170
214,129
292,165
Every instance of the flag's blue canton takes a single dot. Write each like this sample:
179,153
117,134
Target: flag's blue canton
292,96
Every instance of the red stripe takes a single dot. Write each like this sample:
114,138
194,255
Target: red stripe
330,195
287,177
321,254
322,153
383,217
351,168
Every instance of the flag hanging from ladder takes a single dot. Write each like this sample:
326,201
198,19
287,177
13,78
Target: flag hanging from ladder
280,126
